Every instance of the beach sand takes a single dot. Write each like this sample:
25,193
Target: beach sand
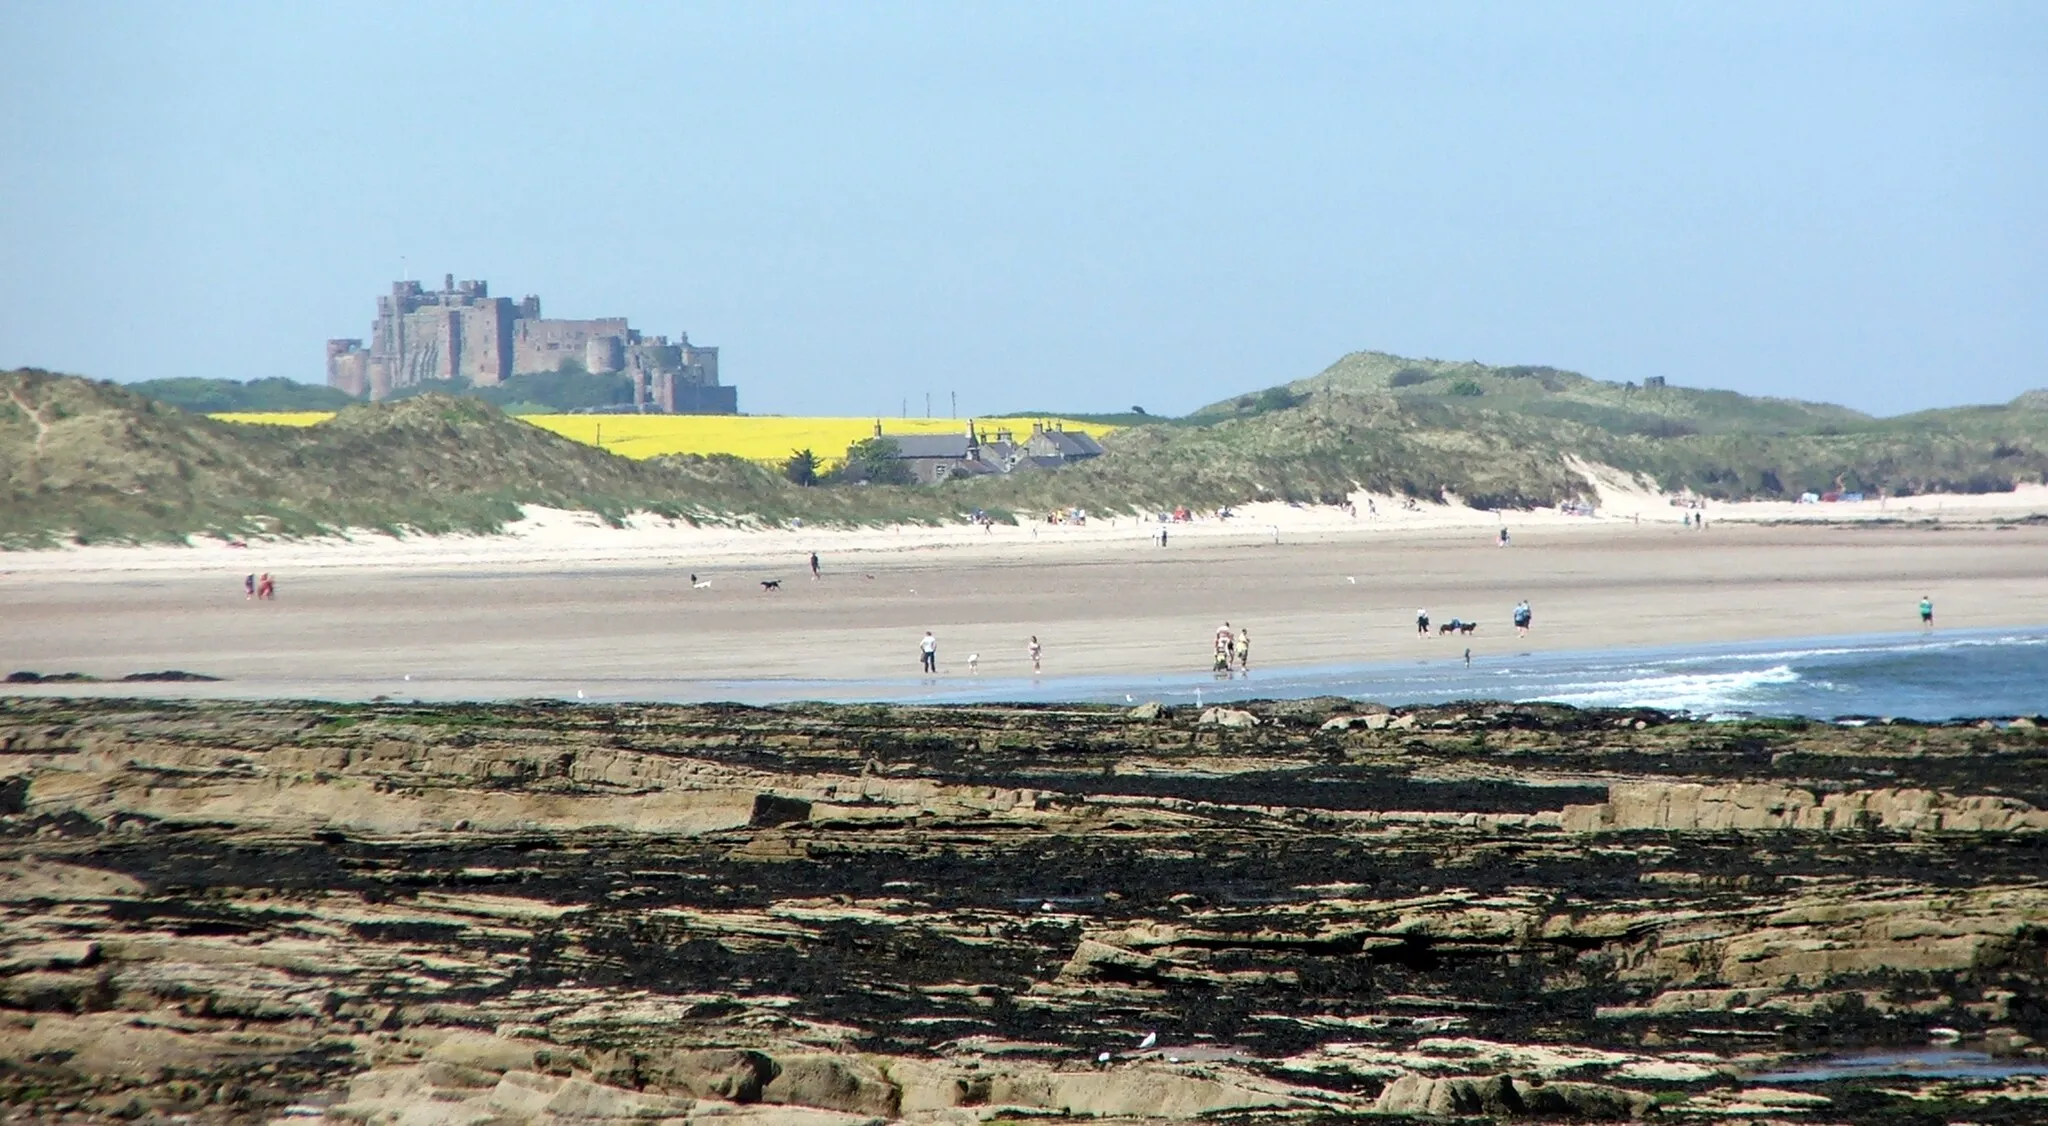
568,605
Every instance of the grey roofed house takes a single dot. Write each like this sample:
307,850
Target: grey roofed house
932,458
1024,463
1060,444
920,446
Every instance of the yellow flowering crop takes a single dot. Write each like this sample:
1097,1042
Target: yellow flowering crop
274,418
762,438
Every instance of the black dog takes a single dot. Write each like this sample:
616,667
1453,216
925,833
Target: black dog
1458,626
771,584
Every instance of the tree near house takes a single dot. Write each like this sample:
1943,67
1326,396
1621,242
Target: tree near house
878,461
802,467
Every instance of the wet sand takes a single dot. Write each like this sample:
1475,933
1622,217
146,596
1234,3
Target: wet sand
1115,608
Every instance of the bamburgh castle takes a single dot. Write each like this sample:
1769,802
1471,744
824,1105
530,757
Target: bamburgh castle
463,333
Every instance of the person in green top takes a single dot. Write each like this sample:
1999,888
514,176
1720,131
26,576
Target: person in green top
1926,613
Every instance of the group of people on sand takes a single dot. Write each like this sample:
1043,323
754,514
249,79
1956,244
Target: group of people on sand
1522,616
259,588
928,656
1233,655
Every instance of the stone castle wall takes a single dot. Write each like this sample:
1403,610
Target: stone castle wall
460,332
542,345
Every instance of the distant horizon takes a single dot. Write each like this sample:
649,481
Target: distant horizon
1154,204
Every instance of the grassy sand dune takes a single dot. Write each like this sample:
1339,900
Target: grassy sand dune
90,462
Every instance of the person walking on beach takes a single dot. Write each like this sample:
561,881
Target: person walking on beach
1926,612
1244,650
1503,537
1523,616
928,652
1223,642
1034,651
814,566
1422,623
266,588
249,588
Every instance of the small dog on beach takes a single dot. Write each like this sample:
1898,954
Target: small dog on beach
771,584
1454,625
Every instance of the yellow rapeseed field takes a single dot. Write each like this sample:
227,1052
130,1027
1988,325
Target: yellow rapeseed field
763,439
275,418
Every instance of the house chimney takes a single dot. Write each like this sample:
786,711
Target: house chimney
1037,428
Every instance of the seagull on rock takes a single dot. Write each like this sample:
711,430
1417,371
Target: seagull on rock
1151,1038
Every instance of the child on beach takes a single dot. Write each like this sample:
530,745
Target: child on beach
1033,650
1926,613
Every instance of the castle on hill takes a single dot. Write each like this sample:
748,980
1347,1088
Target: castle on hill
461,332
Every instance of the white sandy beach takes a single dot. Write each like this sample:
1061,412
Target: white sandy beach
563,603
550,539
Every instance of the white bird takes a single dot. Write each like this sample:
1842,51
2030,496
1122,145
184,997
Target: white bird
408,676
1046,906
1352,581
1150,1039
1103,1058
1129,699
579,693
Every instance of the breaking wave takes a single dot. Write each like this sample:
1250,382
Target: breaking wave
1706,693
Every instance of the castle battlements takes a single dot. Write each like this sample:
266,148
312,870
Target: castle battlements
461,333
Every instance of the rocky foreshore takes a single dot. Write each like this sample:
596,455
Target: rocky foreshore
444,915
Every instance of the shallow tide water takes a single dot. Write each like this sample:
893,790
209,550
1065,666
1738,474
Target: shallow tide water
1928,677
2000,673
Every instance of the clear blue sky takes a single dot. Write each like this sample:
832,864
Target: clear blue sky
1082,206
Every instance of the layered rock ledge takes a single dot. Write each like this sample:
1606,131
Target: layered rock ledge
1305,911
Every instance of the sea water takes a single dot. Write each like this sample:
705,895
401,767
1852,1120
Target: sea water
1920,676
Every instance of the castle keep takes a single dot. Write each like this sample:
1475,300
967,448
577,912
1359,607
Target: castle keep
461,332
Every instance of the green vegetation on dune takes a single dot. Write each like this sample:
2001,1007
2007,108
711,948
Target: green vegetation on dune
1620,408
221,396
90,462
96,462
570,389
1716,443
1315,451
